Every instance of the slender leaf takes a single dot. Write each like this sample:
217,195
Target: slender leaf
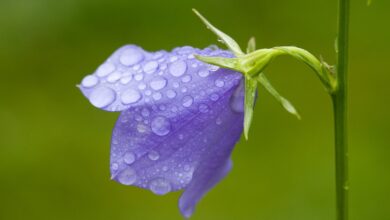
230,43
284,102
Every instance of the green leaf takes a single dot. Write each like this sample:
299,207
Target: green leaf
284,102
251,45
227,40
250,95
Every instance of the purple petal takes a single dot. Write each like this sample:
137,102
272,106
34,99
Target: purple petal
134,77
180,144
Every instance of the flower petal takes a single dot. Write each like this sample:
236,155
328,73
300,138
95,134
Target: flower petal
180,145
133,77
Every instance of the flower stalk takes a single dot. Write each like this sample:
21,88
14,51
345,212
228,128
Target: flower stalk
339,99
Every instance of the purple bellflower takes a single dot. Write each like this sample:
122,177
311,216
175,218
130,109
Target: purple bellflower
182,111
180,118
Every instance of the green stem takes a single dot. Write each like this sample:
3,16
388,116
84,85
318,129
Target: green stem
339,98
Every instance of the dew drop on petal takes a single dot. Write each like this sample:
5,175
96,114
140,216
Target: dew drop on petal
113,77
129,158
186,78
141,86
171,94
150,67
158,83
160,126
178,68
130,96
127,176
126,79
219,83
187,101
218,121
105,69
153,155
114,166
102,97
131,57
203,73
89,81
145,112
138,77
157,96
203,108
160,186
214,97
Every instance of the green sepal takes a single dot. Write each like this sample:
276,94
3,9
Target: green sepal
229,63
250,95
251,45
226,39
283,101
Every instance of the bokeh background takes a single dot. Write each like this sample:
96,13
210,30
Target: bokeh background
54,146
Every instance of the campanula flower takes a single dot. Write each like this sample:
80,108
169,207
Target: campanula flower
180,118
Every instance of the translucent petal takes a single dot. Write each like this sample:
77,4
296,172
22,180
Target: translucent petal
182,144
132,77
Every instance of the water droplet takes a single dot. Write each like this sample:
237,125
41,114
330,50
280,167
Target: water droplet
141,86
158,83
126,79
105,69
186,78
187,167
171,94
102,96
191,56
130,96
89,81
129,158
148,92
138,77
113,77
184,89
214,97
127,176
203,73
145,112
160,126
150,67
131,56
165,168
141,128
162,107
176,84
173,59
219,83
157,96
213,68
160,186
181,136
218,121
153,155
203,108
178,68
114,166
187,101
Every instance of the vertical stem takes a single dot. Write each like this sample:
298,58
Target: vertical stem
340,113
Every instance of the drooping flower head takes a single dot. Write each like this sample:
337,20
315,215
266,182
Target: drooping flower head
180,118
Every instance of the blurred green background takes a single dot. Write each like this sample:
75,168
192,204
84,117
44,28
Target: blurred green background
54,146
